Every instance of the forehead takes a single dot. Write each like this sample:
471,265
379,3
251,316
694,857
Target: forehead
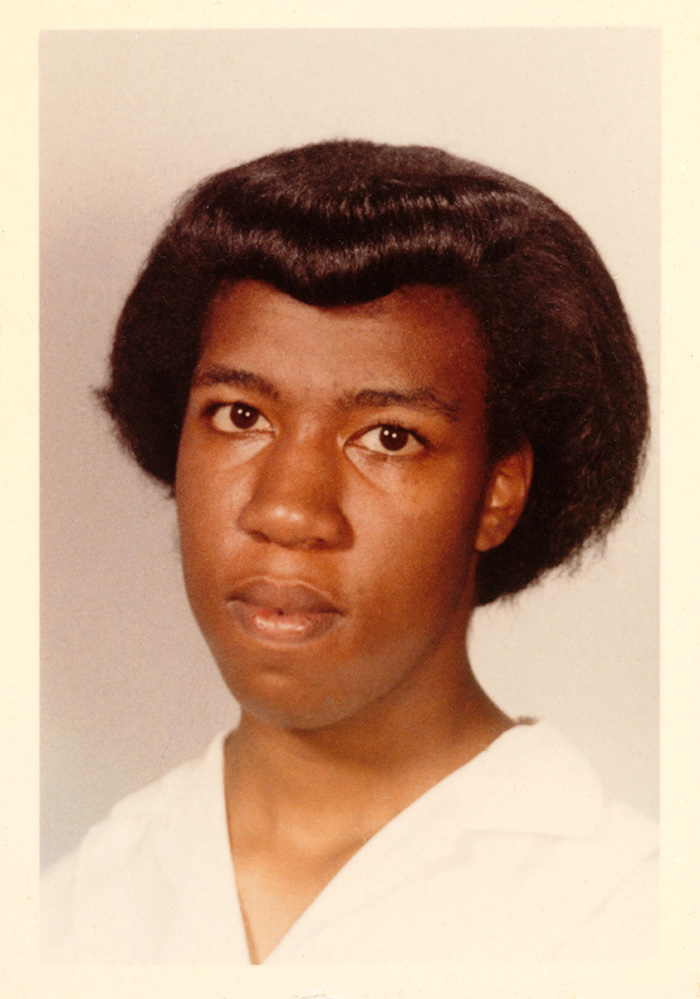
416,334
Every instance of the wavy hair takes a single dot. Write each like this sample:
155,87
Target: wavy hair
347,222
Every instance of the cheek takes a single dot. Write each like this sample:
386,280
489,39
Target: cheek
421,548
205,503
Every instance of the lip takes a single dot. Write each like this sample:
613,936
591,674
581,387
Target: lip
282,611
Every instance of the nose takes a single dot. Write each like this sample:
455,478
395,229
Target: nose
296,499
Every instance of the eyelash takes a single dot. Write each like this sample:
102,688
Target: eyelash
396,431
217,408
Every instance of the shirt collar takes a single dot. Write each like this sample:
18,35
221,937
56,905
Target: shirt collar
530,780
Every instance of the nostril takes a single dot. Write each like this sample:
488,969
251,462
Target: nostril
296,497
299,520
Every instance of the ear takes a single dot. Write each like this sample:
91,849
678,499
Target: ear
505,497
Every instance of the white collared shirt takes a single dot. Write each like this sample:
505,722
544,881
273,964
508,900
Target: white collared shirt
515,856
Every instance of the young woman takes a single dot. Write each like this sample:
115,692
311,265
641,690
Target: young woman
385,386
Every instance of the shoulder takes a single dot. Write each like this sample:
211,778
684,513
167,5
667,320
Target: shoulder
589,889
123,880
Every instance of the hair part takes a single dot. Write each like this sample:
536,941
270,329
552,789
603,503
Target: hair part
347,222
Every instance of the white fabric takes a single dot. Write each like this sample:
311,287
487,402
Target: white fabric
515,856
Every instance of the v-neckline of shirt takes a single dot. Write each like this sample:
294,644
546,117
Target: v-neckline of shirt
344,890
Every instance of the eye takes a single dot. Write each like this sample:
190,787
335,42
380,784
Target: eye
238,417
390,439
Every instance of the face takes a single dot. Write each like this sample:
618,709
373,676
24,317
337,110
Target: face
333,492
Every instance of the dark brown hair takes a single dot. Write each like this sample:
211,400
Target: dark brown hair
348,222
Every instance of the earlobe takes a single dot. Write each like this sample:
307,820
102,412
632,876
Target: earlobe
505,498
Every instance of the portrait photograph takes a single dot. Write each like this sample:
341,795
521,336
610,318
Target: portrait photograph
350,450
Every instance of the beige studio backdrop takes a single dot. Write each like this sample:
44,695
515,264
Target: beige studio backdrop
128,121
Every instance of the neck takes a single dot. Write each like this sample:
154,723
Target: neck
357,774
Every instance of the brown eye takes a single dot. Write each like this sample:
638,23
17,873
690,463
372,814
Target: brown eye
238,416
244,417
390,439
393,438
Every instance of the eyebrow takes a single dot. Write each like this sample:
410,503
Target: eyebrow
420,398
219,374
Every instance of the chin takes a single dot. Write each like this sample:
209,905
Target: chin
294,718
277,700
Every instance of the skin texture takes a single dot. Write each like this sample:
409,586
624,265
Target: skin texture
330,565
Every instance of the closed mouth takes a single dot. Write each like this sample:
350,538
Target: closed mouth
280,611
